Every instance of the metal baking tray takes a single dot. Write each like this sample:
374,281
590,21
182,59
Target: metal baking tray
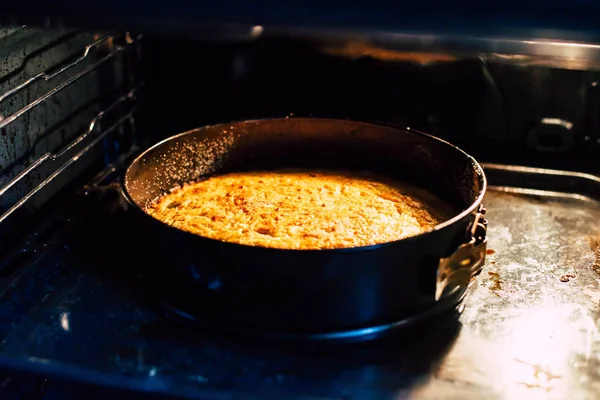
529,327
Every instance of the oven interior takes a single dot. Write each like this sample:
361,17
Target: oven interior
76,106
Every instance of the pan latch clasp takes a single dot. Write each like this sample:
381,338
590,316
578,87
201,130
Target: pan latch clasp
461,267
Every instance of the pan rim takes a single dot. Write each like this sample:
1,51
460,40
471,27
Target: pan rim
469,210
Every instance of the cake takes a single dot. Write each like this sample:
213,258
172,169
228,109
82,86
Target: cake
303,210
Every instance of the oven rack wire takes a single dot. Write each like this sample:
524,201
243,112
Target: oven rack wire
52,157
118,116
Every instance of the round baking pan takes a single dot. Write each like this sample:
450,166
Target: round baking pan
309,292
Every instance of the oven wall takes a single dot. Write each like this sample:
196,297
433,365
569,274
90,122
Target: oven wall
25,55
498,111
67,108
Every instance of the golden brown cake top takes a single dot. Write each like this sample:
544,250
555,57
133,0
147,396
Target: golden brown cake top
301,209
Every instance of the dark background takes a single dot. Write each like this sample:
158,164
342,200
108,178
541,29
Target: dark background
490,109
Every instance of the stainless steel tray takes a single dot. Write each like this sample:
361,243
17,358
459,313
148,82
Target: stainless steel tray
529,328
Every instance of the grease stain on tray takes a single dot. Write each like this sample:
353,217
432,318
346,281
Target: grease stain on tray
566,277
538,376
594,242
496,281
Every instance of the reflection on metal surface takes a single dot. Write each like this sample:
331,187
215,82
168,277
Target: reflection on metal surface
566,184
433,48
539,193
64,322
460,268
358,49
256,31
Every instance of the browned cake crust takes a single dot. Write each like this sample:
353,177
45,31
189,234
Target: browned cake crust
300,209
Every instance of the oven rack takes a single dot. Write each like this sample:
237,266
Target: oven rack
48,75
118,118
90,137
